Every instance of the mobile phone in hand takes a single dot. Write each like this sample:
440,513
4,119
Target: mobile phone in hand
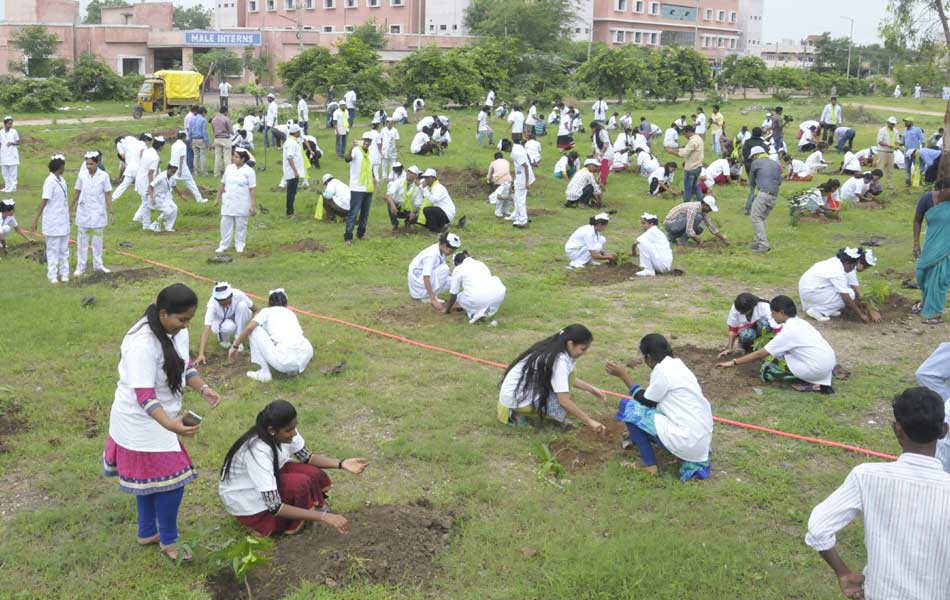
192,419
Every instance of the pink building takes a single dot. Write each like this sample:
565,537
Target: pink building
710,26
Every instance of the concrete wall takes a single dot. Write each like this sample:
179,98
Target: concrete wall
157,15
41,11
316,15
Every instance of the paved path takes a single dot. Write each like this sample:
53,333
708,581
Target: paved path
899,109
81,120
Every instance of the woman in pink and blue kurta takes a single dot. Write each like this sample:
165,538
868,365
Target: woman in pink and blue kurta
143,448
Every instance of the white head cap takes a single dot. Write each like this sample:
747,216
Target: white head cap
271,96
293,128
649,217
453,240
590,162
91,154
602,217
160,138
430,173
368,136
869,257
756,150
7,118
222,290
892,120
397,165
327,177
413,169
711,203
853,253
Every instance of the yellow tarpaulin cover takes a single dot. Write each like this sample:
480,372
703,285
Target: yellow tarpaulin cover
181,84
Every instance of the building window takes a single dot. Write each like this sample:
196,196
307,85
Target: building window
349,3
577,30
395,2
637,37
328,29
348,29
443,27
732,43
709,14
329,3
719,42
431,27
618,36
252,6
396,29
654,8
653,39
270,5
732,17
289,4
638,6
620,5
722,15
372,3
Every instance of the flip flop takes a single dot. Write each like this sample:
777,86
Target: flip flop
806,387
149,540
185,560
917,307
932,321
841,373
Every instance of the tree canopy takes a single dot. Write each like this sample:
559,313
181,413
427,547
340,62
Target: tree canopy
744,72
542,25
354,65
94,9
194,17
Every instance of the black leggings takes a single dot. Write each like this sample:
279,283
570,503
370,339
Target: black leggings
436,219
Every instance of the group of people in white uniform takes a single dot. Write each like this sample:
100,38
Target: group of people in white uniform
652,247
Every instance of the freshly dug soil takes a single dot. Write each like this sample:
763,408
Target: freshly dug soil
11,421
610,274
307,245
468,182
386,544
719,385
118,275
896,309
410,313
97,136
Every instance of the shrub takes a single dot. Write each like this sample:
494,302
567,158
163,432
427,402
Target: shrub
95,80
33,95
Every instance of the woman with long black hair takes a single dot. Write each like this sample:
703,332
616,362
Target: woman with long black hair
268,492
539,381
143,448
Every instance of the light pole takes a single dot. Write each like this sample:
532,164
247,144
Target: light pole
850,44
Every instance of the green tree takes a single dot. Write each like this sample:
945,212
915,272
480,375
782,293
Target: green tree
831,54
679,70
94,9
434,74
617,71
308,72
354,65
194,17
218,61
543,25
743,72
38,45
92,79
259,64
371,34
497,60
783,79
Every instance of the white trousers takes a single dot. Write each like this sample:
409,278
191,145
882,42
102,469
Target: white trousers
652,258
375,167
934,374
189,182
521,206
439,280
57,256
283,358
144,214
227,328
579,257
127,180
826,300
82,247
233,227
501,190
5,231
388,166
168,212
485,301
9,177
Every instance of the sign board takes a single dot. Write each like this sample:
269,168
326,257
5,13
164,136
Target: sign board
222,39
679,13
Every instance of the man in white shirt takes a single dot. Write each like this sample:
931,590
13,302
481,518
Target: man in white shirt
389,147
490,99
270,118
600,110
349,99
886,145
830,120
179,153
421,143
375,150
303,113
904,506
401,115
517,118
9,154
361,188
293,165
523,178
226,315
700,123
224,93
341,123
533,148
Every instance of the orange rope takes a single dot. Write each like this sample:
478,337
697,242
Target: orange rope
405,340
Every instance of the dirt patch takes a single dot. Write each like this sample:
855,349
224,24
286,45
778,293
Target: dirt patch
540,212
91,138
469,181
90,422
307,245
719,384
610,274
386,544
11,419
35,253
406,314
895,310
31,140
117,275
587,449
19,493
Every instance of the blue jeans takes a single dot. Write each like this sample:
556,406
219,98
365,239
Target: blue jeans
644,442
267,136
750,199
161,508
490,135
359,205
351,113
691,184
189,156
340,145
778,141
677,229
848,139
717,143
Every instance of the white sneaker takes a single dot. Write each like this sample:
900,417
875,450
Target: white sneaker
64,279
53,280
477,316
77,273
168,230
645,273
103,270
225,344
814,314
219,250
156,227
261,375
203,201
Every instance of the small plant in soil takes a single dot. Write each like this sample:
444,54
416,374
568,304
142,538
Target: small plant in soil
551,468
244,556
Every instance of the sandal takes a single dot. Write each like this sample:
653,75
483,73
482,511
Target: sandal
149,540
932,321
841,373
917,307
175,560
806,387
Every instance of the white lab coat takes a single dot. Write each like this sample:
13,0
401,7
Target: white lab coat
278,342
430,262
478,292
654,250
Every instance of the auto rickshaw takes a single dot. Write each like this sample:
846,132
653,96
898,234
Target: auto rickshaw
169,92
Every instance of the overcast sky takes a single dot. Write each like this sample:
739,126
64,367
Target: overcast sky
796,19
791,19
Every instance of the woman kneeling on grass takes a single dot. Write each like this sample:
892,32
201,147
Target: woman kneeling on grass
656,255
143,448
539,380
586,244
268,492
750,318
798,353
276,339
671,412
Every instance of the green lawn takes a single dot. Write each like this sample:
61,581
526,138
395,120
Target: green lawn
426,420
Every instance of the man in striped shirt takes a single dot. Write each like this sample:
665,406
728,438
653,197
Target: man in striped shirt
685,221
906,509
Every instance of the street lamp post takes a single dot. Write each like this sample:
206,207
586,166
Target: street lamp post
850,44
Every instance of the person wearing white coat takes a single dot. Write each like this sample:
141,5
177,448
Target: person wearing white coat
276,339
586,244
160,197
227,314
476,290
54,208
9,154
428,274
653,247
237,195
129,149
179,156
826,288
92,202
149,166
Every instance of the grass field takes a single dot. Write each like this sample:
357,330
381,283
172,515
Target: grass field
426,420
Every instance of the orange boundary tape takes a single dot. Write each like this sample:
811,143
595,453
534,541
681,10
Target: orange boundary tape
462,355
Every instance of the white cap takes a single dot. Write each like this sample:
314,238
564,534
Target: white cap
271,96
277,291
7,118
711,203
368,136
892,120
293,128
591,162
430,173
397,165
388,119
222,290
768,114
757,150
327,177
91,154
9,203
413,169
59,156
649,216
853,253
869,257
602,217
159,138
453,240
